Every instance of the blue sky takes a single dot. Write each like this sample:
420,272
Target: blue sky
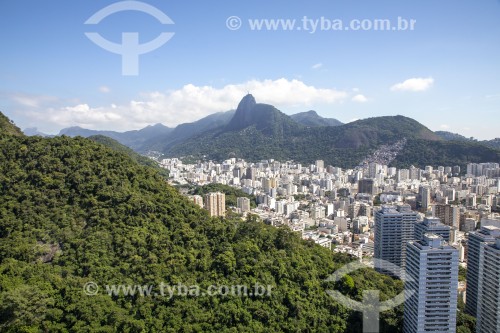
445,73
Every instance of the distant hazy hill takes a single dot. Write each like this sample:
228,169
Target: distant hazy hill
33,131
260,131
495,143
133,139
449,136
311,118
187,130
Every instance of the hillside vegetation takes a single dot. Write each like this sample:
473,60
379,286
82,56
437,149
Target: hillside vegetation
8,127
117,146
73,211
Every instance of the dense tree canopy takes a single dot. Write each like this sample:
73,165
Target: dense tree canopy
73,211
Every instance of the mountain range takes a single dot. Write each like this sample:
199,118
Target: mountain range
256,131
159,137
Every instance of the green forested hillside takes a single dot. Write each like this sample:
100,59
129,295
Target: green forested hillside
311,118
343,146
8,127
422,152
73,211
117,146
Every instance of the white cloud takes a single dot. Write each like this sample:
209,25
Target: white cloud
186,104
104,89
414,84
317,66
359,98
32,101
82,115
444,126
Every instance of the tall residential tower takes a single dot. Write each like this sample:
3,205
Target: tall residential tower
394,228
488,297
485,235
215,203
431,286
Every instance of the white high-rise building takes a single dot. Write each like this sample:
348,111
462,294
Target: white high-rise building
426,197
471,200
197,199
320,165
431,286
432,225
318,212
450,194
374,169
485,235
280,207
448,214
394,228
415,173
402,175
329,209
488,305
215,203
243,204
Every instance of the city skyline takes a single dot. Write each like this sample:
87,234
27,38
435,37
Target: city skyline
260,166
428,238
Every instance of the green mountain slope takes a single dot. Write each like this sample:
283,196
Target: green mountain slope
421,152
494,143
8,127
116,146
74,212
449,136
311,118
187,130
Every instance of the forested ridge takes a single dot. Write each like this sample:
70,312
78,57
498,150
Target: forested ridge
73,211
